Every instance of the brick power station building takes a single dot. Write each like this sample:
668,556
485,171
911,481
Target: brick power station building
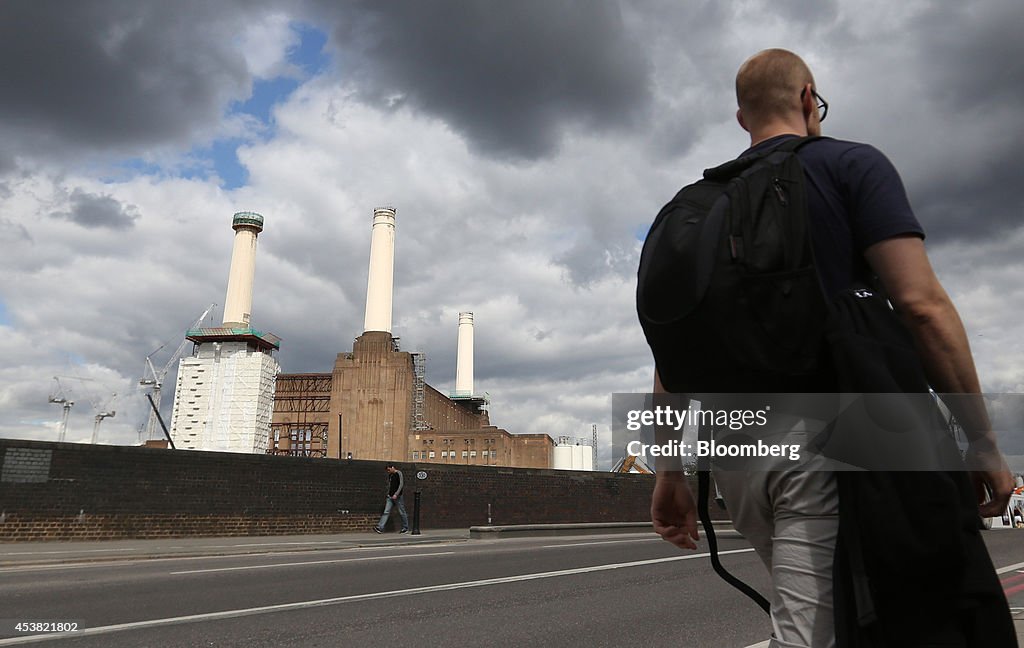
373,405
376,405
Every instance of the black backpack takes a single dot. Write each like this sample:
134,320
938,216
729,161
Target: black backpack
733,251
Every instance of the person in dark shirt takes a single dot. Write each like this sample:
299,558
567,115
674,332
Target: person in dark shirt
861,226
396,485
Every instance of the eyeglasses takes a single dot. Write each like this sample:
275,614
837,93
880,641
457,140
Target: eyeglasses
822,104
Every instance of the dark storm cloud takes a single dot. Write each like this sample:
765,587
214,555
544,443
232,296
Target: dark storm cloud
974,55
508,75
93,211
102,76
974,201
972,70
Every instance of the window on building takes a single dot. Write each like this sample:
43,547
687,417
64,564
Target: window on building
494,454
444,454
431,455
465,453
415,454
472,453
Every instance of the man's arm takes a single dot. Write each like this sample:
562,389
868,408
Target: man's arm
903,267
673,507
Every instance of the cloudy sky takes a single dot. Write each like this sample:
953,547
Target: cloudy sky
526,146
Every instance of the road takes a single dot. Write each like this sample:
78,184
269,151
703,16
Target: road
563,591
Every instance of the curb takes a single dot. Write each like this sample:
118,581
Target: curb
197,553
497,532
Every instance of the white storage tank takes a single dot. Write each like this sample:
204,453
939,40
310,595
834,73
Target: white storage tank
572,455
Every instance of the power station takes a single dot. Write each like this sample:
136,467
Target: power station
373,404
376,404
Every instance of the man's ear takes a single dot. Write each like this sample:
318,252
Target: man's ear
808,104
739,118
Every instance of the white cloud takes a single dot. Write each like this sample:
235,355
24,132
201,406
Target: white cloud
265,44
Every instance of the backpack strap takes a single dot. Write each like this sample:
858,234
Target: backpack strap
732,168
704,433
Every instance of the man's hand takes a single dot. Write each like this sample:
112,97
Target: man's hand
674,510
991,477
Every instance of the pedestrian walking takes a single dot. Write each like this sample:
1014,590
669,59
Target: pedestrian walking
862,231
395,487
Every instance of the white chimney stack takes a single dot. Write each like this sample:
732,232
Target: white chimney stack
380,283
238,303
464,362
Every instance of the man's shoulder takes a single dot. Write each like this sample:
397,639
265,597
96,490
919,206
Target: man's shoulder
839,150
821,149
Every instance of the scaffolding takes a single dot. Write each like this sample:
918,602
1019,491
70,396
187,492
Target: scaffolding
308,397
224,399
419,368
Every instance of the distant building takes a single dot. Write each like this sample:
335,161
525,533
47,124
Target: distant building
375,403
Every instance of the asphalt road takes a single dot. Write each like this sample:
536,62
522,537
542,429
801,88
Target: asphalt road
566,591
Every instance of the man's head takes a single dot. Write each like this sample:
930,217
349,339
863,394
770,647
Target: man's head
391,468
776,94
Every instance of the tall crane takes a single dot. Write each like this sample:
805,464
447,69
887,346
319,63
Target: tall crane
103,408
99,419
155,379
60,397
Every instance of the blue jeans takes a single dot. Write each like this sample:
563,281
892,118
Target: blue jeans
400,503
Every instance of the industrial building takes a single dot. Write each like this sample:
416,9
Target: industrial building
375,403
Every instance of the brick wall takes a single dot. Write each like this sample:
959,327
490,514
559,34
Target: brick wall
64,490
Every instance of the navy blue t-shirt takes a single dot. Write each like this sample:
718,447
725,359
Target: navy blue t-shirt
855,198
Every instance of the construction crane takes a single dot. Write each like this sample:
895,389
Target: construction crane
631,463
99,419
155,379
60,397
103,408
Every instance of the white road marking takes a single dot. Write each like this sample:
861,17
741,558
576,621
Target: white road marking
266,609
763,644
310,562
1009,568
598,542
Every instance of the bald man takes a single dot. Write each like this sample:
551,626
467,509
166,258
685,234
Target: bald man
861,226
